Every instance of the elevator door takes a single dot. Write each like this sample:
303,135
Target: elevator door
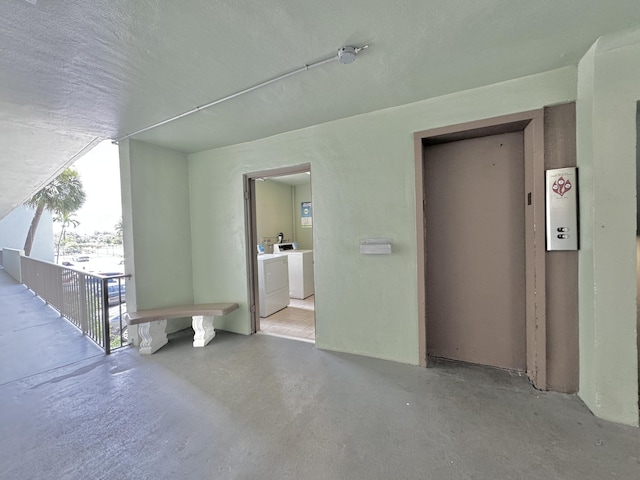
475,250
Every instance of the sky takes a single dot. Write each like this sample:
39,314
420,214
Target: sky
100,175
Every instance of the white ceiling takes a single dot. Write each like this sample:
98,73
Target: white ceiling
73,72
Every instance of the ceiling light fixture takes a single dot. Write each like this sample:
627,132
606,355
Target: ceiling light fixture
345,56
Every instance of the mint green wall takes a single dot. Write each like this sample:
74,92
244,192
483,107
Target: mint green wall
274,212
303,236
218,239
363,186
606,135
155,194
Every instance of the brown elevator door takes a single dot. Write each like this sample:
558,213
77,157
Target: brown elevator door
475,250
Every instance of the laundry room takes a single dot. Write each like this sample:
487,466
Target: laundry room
284,227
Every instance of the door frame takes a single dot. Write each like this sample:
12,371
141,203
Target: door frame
251,231
531,123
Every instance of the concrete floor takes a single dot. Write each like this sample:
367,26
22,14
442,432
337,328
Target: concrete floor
263,407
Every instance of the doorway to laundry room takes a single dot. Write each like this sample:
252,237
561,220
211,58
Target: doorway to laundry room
280,239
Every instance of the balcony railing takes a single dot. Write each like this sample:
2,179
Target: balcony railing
93,303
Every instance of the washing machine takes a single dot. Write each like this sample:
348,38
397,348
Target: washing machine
273,283
300,270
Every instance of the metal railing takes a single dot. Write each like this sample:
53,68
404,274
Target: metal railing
85,299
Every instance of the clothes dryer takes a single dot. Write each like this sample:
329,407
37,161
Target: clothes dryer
273,283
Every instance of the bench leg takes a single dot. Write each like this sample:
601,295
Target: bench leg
152,336
203,326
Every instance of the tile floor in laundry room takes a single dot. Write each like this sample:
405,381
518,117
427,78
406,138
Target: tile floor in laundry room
296,321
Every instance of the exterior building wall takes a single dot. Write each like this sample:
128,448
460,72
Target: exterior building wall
15,226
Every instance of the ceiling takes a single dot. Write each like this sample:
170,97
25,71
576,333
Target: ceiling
74,72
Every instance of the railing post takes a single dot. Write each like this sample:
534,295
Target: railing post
106,331
84,313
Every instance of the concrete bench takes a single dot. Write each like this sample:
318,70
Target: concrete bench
152,323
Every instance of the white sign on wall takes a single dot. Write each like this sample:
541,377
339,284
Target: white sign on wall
306,215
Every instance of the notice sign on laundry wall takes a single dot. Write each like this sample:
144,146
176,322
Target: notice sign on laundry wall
306,215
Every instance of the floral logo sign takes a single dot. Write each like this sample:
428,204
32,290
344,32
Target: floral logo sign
561,186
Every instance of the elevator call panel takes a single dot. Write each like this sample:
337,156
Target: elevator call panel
562,208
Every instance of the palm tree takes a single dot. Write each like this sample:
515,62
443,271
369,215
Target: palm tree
67,219
119,229
63,194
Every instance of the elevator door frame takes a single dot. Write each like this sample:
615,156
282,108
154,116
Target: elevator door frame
532,125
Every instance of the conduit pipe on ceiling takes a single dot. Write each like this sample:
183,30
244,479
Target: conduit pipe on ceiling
345,56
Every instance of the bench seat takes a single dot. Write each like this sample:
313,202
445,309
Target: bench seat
152,323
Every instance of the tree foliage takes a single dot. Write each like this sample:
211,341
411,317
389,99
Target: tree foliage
63,196
119,229
66,219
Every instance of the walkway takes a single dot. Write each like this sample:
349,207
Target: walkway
33,337
264,407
